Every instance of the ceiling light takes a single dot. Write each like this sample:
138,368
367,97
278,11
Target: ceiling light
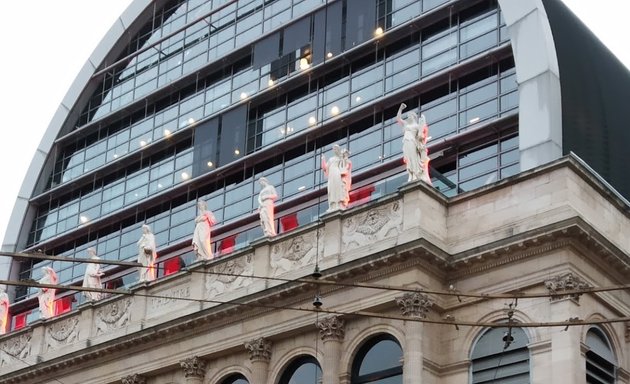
378,31
334,110
237,152
301,188
159,185
143,143
185,176
304,64
474,120
167,132
190,120
210,164
329,55
312,120
83,219
357,99
243,95
270,82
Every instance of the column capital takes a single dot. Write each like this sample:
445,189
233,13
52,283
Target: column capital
562,283
332,328
134,379
259,349
414,304
193,367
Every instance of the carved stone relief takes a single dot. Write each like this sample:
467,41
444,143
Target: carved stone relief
371,226
134,379
296,252
15,349
414,304
229,276
113,316
259,349
193,367
567,282
332,328
62,333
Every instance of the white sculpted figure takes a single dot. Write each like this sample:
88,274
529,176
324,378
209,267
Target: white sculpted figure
336,169
4,312
266,198
147,255
201,237
92,277
415,153
46,296
346,176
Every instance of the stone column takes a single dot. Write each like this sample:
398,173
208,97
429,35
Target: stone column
260,355
194,370
414,306
567,360
332,331
134,379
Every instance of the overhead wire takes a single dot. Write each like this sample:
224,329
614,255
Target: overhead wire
570,322
309,280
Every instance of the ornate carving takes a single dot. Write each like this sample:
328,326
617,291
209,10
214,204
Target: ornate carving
296,252
414,304
332,328
230,276
371,226
193,367
259,349
15,349
566,282
62,333
134,379
113,316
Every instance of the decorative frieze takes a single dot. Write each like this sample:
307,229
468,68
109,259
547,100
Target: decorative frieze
62,333
113,316
229,276
193,367
296,252
332,328
562,283
259,349
414,304
371,226
134,379
15,349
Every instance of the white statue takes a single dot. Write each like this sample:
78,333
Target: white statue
147,255
92,277
266,198
201,237
4,312
415,153
346,176
46,296
335,170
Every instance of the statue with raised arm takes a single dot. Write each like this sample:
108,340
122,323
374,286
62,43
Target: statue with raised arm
346,177
147,254
4,312
201,237
92,277
46,296
334,170
415,137
266,198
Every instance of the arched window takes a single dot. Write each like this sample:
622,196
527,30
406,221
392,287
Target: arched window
495,361
235,379
600,360
303,370
378,361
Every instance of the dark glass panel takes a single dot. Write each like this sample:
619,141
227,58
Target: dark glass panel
233,133
360,21
304,369
205,147
296,35
266,50
383,355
